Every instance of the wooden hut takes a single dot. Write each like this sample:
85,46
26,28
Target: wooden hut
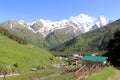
94,60
90,64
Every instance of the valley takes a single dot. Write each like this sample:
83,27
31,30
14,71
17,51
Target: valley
33,55
89,42
59,40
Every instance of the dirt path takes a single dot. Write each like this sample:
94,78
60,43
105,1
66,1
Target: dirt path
51,75
116,76
15,74
56,74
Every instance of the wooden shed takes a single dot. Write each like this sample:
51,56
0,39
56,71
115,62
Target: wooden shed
95,58
97,61
90,64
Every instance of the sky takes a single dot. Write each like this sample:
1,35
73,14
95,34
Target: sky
56,10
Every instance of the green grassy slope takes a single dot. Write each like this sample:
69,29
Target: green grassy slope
92,41
25,56
103,74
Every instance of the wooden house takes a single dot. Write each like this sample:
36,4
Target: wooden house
90,64
94,60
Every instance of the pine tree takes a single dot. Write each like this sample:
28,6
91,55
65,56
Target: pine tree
113,48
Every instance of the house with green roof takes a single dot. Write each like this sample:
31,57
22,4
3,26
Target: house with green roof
90,64
94,58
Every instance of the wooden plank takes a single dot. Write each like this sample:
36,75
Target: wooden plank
80,69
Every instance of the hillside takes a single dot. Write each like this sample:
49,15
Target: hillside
24,33
20,58
95,40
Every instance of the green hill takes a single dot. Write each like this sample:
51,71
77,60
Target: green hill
92,41
21,58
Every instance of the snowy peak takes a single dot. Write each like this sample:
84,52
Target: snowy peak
83,18
22,22
81,23
101,21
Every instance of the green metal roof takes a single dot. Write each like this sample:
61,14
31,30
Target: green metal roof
94,58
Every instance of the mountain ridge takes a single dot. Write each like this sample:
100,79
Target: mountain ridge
92,41
46,27
49,34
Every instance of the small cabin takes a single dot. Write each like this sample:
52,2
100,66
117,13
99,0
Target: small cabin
90,64
94,60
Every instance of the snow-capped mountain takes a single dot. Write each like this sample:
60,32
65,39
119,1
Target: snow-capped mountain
81,23
49,34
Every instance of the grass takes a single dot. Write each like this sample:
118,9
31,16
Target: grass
20,58
33,75
41,73
103,74
28,56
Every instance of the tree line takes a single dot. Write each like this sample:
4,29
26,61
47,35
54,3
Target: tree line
12,36
113,49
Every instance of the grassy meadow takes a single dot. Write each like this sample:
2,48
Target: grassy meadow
18,58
